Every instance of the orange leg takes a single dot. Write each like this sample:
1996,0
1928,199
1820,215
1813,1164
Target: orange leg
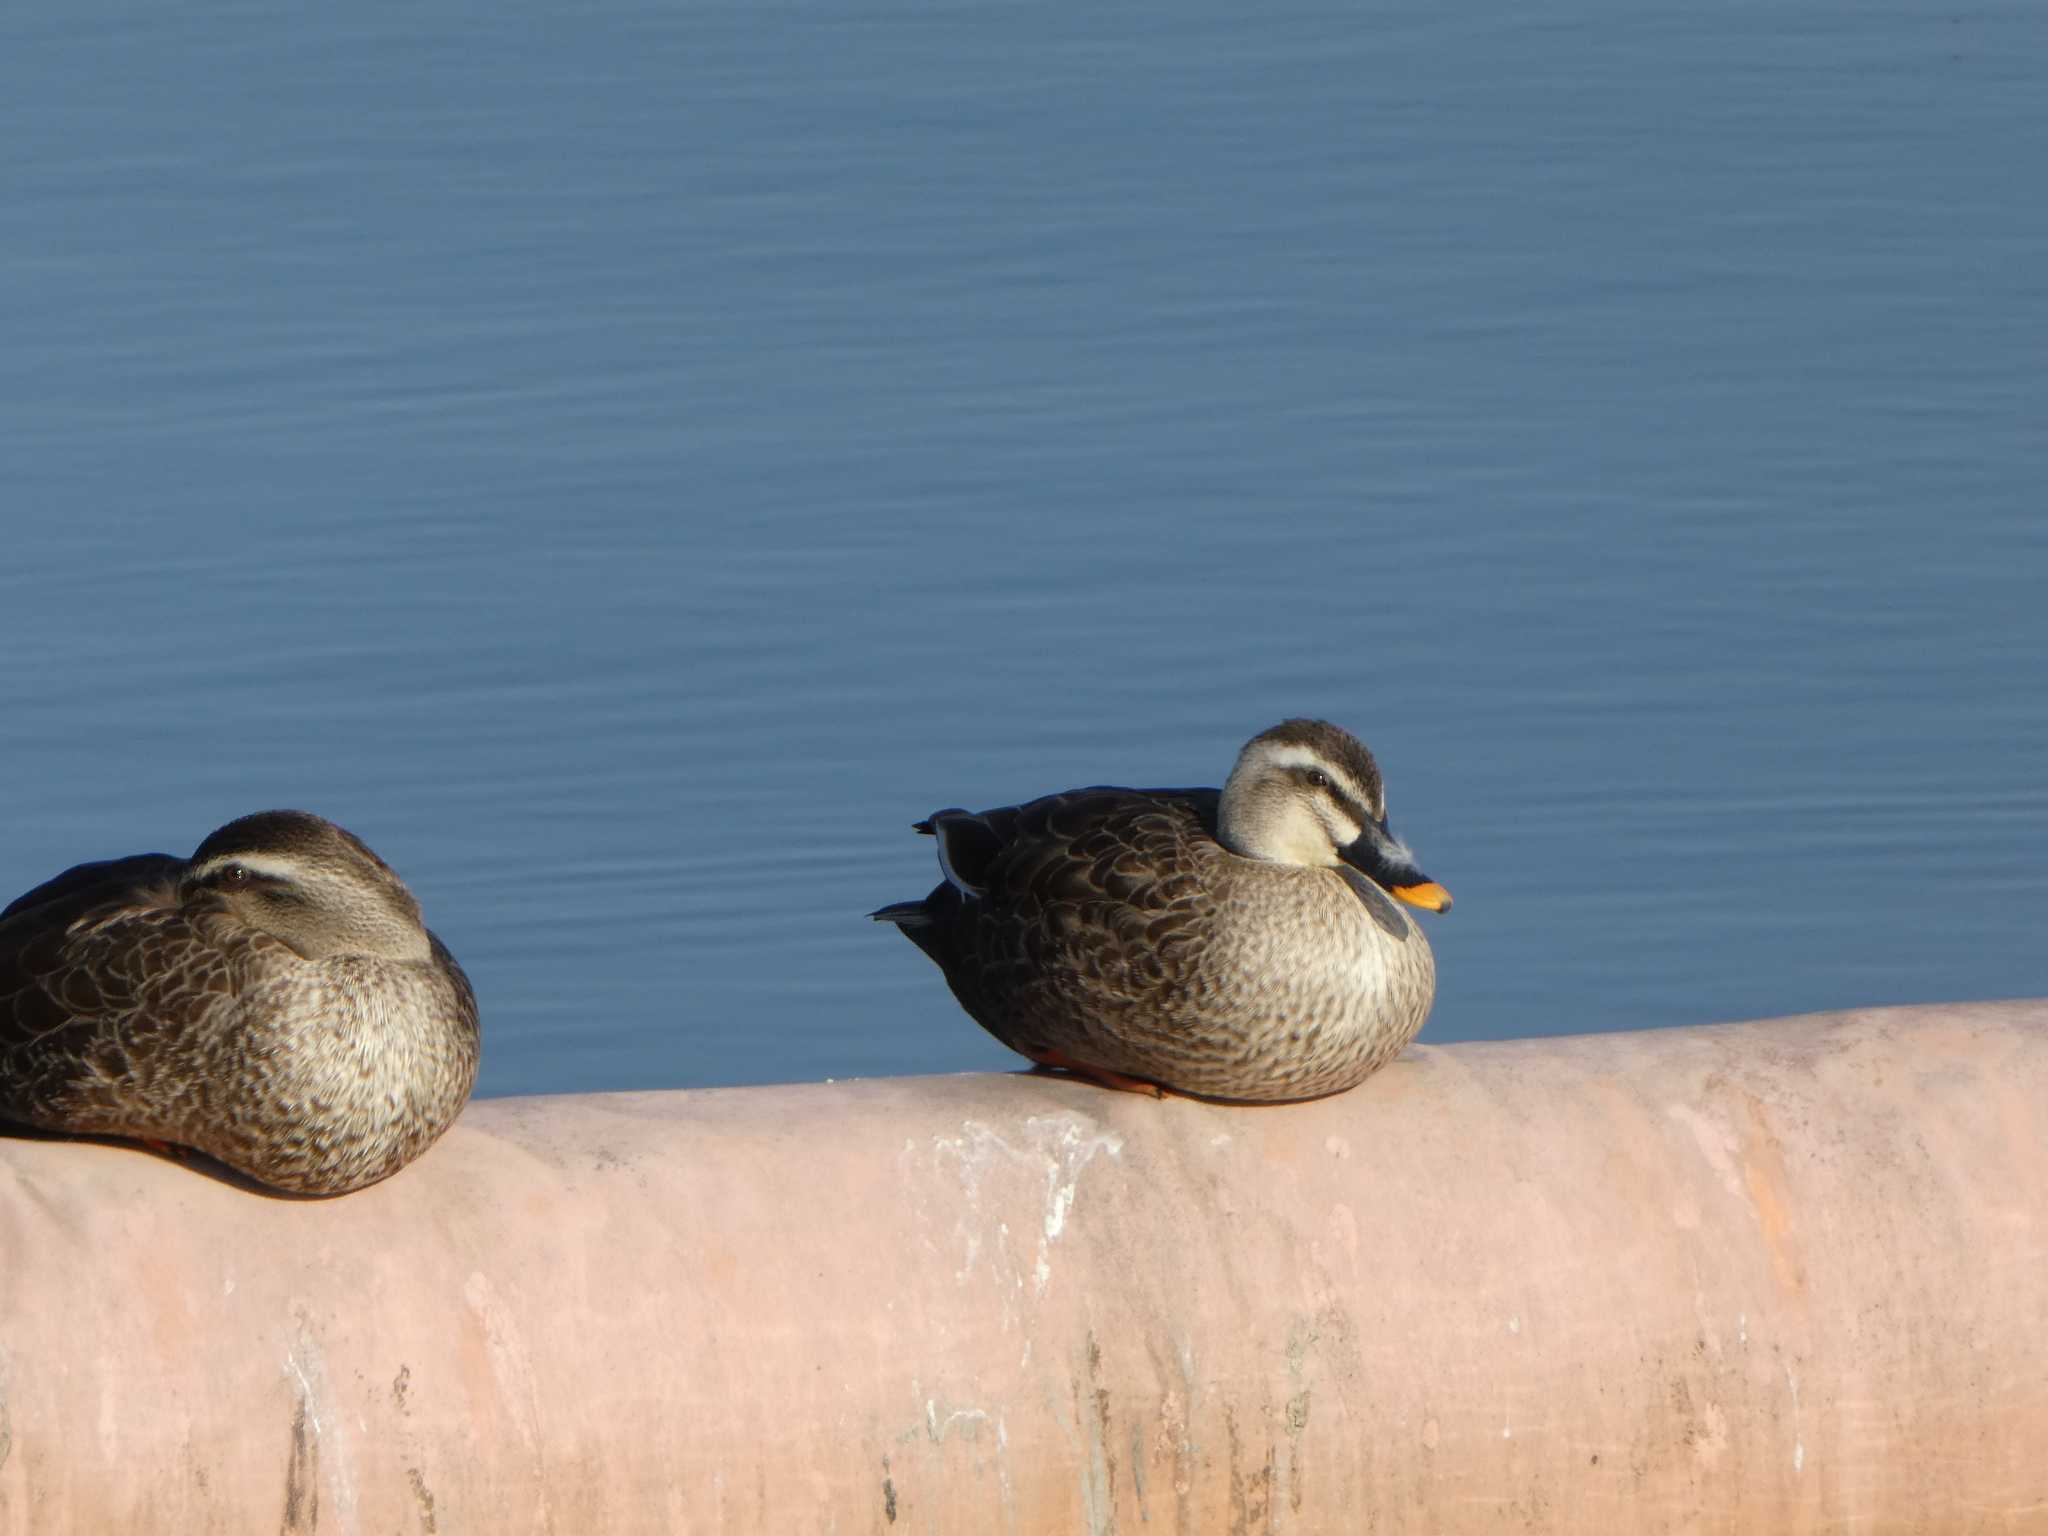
1054,1061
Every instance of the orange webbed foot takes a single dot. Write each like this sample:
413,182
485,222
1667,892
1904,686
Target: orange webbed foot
1054,1061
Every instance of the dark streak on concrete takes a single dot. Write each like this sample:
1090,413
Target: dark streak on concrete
1297,1421
1251,1498
1138,1473
301,1480
398,1385
424,1498
1106,1436
1239,1525
888,1493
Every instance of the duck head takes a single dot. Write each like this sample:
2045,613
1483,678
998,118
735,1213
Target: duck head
1308,792
309,884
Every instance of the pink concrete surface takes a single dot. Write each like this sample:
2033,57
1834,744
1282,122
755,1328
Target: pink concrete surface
1778,1277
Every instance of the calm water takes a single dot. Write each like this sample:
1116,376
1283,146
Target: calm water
629,466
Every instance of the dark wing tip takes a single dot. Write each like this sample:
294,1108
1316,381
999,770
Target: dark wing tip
904,914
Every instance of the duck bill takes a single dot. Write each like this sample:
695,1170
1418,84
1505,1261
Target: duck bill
1386,861
1428,895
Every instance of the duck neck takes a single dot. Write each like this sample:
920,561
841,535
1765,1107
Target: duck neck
1260,821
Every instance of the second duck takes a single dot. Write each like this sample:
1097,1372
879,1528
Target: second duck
275,1000
1236,944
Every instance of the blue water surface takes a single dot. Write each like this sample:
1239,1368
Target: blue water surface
628,463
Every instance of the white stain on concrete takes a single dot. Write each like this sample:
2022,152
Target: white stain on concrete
305,1370
942,1422
512,1371
938,1428
1798,1437
1003,1469
1068,1147
1052,1151
1716,1140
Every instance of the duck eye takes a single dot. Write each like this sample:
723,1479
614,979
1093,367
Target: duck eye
1318,779
234,874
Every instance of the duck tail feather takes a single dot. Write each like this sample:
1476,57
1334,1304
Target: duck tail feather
967,846
904,914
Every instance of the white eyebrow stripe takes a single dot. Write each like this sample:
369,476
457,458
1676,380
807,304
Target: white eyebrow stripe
255,863
1289,755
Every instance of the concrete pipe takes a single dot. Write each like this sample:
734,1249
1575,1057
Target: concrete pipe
1776,1277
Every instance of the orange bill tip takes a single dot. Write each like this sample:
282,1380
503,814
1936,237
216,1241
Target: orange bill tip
1428,895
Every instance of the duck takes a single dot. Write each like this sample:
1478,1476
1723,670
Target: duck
1248,944
275,1001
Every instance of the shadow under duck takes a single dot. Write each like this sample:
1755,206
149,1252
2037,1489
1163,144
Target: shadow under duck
1243,943
274,1001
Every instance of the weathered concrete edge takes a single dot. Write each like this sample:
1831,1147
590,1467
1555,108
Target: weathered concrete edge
1783,1275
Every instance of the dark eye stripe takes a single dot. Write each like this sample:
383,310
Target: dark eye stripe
1330,786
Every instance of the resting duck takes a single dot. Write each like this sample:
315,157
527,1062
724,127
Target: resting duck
273,1001
1247,944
